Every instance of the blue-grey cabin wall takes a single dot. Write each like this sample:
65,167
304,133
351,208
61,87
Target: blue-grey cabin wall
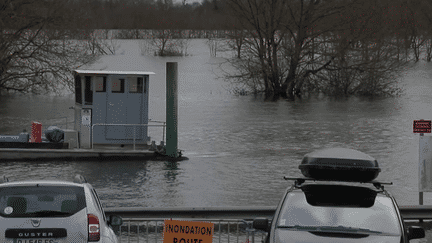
116,104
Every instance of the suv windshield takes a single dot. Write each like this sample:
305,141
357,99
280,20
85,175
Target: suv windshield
379,217
41,201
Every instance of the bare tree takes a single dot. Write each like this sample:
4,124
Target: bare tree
36,52
429,48
279,37
162,40
236,40
292,44
170,42
422,21
215,43
99,43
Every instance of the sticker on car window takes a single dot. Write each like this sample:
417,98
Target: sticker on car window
282,222
8,210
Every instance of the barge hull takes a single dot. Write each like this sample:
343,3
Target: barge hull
42,145
20,154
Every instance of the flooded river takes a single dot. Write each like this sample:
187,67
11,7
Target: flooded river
239,147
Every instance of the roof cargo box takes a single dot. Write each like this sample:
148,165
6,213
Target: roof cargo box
339,164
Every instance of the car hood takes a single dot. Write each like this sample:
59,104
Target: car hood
296,236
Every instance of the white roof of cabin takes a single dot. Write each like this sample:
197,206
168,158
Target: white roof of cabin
113,72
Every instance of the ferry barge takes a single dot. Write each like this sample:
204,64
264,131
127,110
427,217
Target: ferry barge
111,122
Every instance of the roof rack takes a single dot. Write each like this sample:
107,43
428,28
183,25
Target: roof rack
301,180
80,179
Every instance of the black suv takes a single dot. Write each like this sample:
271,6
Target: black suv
334,204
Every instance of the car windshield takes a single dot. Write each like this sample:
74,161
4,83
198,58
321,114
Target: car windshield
377,218
41,201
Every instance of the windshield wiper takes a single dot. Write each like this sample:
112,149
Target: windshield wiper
339,229
47,213
351,229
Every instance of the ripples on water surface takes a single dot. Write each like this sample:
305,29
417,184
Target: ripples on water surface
239,148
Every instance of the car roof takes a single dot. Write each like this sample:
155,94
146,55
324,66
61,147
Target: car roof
41,182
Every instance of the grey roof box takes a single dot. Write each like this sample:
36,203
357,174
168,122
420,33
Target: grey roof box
339,164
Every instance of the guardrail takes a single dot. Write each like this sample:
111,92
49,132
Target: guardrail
134,125
415,212
144,224
194,212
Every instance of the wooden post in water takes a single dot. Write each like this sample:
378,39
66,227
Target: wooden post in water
171,109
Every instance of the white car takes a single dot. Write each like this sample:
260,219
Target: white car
338,201
53,212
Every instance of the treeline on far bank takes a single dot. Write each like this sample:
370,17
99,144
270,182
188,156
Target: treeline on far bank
164,14
89,15
145,14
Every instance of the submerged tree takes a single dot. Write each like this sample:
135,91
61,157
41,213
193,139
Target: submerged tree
296,44
36,52
423,21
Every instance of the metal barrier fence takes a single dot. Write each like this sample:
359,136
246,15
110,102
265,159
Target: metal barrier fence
225,230
134,132
146,224
408,212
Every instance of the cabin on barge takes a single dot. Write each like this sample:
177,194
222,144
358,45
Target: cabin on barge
111,113
110,118
111,108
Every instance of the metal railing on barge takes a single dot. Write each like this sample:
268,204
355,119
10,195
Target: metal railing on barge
232,224
134,129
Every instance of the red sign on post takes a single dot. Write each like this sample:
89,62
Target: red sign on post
422,126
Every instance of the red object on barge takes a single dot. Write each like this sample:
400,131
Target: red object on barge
36,133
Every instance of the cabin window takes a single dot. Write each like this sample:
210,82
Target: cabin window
117,86
100,83
78,96
88,91
145,84
136,85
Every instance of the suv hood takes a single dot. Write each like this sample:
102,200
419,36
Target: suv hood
296,236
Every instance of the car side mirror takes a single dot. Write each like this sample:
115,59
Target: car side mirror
261,224
115,220
415,232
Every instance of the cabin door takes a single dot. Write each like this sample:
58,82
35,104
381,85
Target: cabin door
116,108
135,108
